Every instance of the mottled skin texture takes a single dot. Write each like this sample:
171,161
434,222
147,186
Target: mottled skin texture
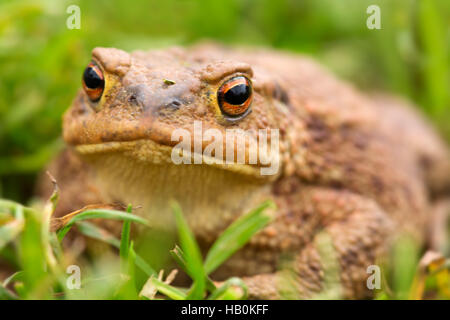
358,168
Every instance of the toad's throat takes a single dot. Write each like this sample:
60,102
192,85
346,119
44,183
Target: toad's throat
137,174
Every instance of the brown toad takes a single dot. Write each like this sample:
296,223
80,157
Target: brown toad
361,168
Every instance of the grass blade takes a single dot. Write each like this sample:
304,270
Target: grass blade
232,289
236,236
125,242
15,276
178,255
169,291
5,294
33,259
46,234
10,231
101,214
192,255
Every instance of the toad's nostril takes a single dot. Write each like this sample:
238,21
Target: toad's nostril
174,104
132,98
137,95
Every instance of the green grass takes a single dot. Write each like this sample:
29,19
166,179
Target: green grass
28,242
40,261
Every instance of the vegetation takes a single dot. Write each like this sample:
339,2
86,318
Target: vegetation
32,241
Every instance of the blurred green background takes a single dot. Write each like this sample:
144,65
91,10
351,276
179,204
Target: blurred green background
41,61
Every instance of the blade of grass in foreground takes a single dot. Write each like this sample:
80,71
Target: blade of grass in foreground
127,289
236,235
5,294
192,255
168,290
232,289
125,242
10,231
32,260
13,227
178,255
102,214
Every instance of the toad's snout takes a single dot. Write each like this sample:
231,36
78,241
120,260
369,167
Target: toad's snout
155,97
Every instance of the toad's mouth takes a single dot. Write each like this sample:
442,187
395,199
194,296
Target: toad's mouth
150,141
149,152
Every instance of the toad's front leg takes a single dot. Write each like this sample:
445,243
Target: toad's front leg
349,229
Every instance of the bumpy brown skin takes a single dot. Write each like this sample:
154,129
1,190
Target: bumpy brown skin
357,168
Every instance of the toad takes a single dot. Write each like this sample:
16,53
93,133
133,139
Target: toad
361,168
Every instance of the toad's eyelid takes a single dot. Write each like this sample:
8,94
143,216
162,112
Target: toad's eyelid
96,64
221,69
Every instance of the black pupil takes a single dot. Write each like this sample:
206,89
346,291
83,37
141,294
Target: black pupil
238,94
92,79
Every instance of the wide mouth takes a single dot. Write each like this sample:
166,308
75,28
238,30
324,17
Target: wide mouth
147,139
154,153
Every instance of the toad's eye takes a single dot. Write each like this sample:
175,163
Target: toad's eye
235,97
93,81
